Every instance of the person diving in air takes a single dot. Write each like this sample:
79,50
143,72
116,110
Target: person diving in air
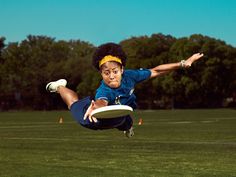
117,87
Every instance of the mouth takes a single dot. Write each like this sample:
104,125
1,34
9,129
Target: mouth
114,84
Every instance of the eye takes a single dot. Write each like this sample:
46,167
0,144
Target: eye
106,73
115,71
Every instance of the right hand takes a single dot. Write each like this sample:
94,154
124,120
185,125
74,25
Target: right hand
192,59
89,111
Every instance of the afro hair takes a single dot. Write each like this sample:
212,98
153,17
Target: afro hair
108,49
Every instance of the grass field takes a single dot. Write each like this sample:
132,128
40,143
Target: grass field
173,143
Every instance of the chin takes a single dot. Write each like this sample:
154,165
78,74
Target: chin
114,85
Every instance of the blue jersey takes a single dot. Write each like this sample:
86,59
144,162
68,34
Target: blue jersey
124,94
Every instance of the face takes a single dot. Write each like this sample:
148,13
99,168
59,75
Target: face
112,74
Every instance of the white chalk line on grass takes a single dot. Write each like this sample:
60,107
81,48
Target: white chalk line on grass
37,139
35,125
108,140
27,126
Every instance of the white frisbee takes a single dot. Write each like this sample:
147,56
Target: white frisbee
112,111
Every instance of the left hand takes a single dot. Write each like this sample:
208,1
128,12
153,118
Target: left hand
192,59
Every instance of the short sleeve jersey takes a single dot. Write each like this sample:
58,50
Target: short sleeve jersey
124,94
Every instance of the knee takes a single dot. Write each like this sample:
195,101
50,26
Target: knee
72,101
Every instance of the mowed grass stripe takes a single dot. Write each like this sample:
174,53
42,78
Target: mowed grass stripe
169,143
103,140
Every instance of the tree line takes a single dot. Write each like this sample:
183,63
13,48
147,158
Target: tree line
26,67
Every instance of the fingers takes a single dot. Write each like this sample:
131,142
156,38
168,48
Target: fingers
196,56
89,111
86,113
92,119
201,55
92,103
192,59
95,120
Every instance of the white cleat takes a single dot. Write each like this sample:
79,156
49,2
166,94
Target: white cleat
53,86
129,133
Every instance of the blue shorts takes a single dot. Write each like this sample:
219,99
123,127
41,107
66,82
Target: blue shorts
79,108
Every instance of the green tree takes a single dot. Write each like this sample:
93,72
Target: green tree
148,52
27,66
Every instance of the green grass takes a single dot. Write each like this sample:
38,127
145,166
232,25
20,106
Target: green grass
169,143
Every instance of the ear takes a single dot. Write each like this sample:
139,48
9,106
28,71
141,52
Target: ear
122,69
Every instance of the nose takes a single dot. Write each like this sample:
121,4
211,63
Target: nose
111,76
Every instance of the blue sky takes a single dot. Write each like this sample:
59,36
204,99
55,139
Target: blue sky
100,21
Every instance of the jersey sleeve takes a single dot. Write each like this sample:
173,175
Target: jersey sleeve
139,75
103,94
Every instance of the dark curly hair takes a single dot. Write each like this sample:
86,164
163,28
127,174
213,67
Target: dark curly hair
108,49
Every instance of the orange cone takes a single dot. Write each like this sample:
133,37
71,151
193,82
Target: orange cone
61,120
140,121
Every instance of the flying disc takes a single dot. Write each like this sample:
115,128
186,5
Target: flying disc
112,111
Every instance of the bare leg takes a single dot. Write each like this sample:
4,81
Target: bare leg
68,95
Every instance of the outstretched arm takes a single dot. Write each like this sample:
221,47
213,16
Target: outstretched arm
166,68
